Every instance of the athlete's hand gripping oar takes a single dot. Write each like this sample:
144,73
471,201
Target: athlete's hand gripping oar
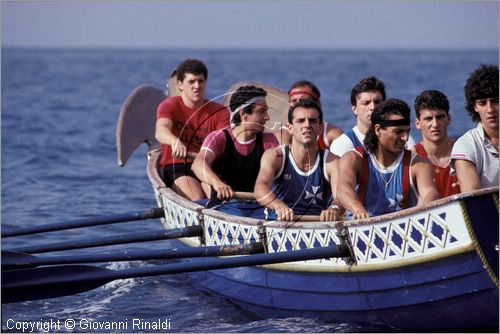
17,260
251,197
186,232
93,221
50,282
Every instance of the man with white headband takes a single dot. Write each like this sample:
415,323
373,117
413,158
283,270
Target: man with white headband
383,176
229,159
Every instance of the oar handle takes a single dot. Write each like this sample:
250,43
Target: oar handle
250,196
244,195
191,155
308,218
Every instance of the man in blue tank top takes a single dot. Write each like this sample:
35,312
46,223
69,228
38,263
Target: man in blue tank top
365,96
383,176
299,179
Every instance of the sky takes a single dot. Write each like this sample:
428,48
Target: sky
253,24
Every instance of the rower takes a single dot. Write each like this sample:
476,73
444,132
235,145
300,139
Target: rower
433,119
182,124
299,179
475,154
229,159
382,176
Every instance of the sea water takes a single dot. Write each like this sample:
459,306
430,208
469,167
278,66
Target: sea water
59,163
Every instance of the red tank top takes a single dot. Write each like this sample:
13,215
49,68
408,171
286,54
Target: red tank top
446,184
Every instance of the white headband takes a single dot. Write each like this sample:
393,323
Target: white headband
244,105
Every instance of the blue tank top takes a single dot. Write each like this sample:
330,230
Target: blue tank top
352,136
307,193
384,192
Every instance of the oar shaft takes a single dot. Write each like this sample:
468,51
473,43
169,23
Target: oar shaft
190,231
234,262
95,221
15,260
50,282
250,197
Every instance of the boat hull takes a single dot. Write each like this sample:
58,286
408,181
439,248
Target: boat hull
438,295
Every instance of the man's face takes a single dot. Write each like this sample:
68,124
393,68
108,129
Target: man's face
258,118
392,138
365,103
488,112
433,124
306,125
193,87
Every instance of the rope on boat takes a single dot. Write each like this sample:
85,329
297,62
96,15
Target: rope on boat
475,243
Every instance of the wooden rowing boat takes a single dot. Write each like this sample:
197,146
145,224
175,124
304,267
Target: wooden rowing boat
429,268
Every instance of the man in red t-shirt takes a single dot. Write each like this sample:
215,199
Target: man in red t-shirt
182,124
433,118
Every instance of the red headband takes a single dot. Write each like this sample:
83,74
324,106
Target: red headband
311,94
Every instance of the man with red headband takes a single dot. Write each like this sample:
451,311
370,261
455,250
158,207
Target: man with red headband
385,177
306,90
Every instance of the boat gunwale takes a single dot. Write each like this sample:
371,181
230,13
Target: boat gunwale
157,183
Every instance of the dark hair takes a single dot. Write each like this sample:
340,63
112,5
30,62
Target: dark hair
302,83
241,96
481,84
366,85
307,104
432,100
382,112
192,66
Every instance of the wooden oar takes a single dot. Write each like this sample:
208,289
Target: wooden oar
94,221
186,232
16,260
57,281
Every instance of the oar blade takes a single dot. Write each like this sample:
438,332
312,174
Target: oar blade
17,260
50,282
